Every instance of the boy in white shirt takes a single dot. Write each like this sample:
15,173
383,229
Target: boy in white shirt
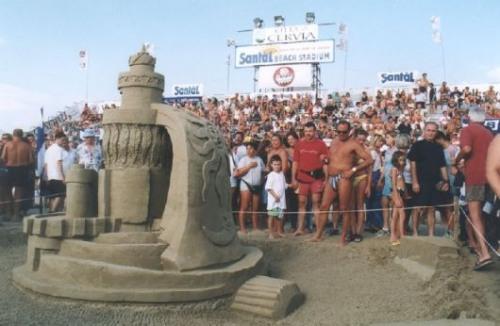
276,201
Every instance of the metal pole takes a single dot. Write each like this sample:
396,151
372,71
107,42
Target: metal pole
228,73
443,60
345,68
87,85
254,79
87,79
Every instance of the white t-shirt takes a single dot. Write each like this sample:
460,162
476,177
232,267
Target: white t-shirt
276,181
254,175
420,97
317,110
54,154
240,152
377,161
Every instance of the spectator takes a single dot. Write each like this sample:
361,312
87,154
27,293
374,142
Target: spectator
428,169
276,202
250,171
374,219
17,156
398,197
493,165
54,172
309,173
474,142
89,153
5,193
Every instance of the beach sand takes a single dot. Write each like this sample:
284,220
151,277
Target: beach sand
356,285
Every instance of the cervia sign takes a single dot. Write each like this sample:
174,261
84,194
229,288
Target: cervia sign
396,78
284,34
187,90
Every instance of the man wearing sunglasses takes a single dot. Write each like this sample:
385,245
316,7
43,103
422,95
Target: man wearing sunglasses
343,156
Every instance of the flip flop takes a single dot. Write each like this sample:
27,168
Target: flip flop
481,265
395,243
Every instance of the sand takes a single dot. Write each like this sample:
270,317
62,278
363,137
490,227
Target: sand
356,285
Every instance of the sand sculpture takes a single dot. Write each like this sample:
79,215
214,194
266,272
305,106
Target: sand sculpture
155,224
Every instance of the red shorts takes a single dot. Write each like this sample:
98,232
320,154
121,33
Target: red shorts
315,187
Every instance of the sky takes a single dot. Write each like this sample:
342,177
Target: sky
40,41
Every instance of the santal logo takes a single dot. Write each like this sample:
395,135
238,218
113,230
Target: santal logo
397,77
284,76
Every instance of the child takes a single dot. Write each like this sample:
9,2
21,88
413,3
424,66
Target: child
276,202
398,195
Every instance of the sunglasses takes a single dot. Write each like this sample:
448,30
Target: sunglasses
342,132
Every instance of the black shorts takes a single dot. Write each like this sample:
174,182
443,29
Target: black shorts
56,188
19,176
428,196
410,199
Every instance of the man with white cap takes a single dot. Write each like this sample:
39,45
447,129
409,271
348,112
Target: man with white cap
89,153
474,142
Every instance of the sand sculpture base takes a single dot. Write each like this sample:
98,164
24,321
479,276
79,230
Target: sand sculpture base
118,267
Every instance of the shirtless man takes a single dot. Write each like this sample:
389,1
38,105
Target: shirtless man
17,156
361,187
493,165
343,152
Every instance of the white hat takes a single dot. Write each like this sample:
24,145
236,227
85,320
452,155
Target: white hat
88,133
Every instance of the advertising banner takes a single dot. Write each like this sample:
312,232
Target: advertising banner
285,76
399,78
284,53
285,34
187,90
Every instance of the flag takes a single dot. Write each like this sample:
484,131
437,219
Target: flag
436,37
342,29
436,29
84,59
342,46
436,23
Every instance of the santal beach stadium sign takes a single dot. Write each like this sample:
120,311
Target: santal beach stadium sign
284,53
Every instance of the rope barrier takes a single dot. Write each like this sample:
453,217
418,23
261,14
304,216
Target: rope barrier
350,211
32,198
477,232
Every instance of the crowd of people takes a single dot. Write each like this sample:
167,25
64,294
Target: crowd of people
339,165
20,175
378,162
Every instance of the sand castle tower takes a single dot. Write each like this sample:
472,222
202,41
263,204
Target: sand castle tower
155,224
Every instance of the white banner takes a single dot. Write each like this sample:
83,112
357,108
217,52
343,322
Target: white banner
284,34
278,77
187,90
284,53
400,78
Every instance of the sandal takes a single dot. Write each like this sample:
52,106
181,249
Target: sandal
357,238
479,265
395,243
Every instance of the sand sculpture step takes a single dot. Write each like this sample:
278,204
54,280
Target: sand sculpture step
268,297
74,277
139,255
422,255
